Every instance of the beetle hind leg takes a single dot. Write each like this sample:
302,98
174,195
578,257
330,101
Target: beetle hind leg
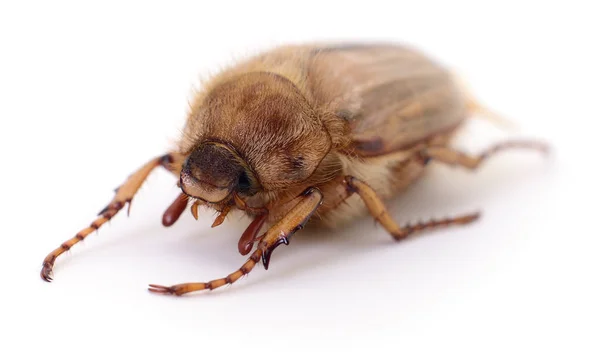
409,229
377,209
453,157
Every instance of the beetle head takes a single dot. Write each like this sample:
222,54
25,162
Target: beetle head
250,133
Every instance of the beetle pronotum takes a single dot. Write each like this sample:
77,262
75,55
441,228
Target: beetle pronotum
309,134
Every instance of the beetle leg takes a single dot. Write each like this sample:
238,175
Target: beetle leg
379,212
453,157
292,222
278,234
124,195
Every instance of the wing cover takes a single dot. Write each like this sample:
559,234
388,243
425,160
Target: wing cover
393,96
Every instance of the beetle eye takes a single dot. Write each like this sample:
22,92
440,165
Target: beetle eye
243,184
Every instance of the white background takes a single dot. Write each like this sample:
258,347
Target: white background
90,92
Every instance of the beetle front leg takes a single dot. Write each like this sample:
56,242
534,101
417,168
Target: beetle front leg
278,234
377,209
453,157
124,195
292,222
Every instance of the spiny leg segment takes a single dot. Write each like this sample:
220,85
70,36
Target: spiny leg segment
453,157
124,195
378,210
278,234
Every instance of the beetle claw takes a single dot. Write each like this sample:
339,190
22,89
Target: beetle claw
162,289
266,256
46,273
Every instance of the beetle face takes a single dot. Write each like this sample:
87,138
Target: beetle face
213,171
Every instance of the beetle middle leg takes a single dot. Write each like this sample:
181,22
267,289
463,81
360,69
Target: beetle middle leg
451,156
377,209
123,197
278,234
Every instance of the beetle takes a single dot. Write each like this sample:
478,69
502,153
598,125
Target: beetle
314,133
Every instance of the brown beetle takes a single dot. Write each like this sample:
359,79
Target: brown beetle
309,134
